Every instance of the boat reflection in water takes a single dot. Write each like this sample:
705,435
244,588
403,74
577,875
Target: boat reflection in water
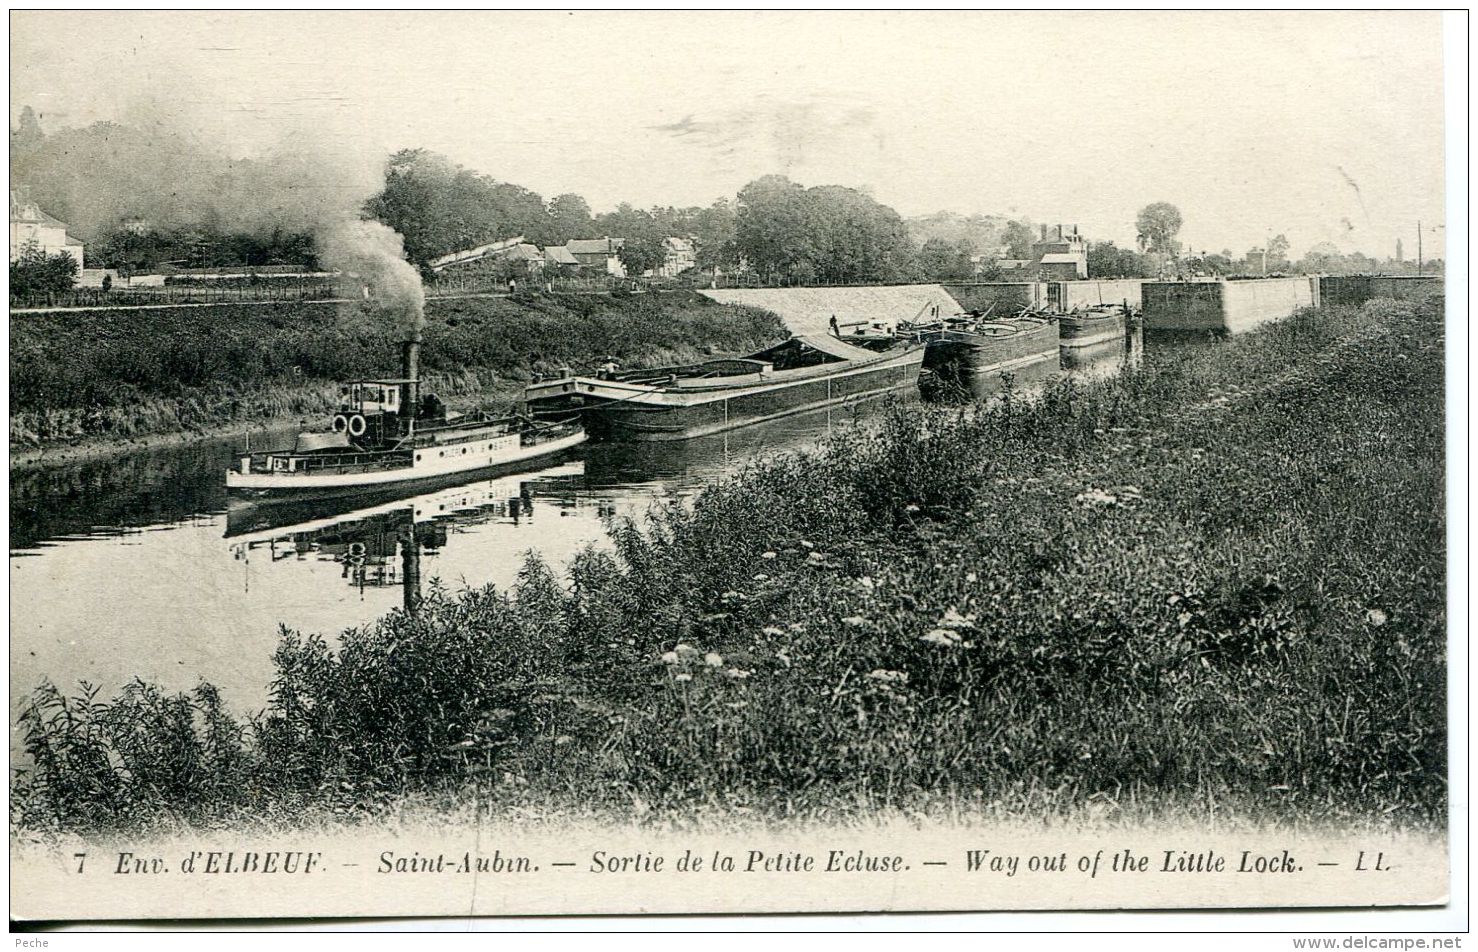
380,545
380,542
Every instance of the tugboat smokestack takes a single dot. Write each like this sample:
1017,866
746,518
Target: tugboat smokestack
410,370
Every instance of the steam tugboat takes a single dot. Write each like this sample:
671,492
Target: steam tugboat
386,432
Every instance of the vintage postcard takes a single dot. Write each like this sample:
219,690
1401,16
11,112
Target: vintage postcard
559,463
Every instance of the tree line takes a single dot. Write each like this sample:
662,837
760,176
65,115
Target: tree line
218,212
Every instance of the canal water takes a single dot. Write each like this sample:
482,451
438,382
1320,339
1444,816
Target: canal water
136,566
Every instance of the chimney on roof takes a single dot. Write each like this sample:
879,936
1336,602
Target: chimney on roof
1044,232
1059,232
1075,229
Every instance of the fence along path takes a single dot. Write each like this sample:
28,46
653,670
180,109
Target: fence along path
810,310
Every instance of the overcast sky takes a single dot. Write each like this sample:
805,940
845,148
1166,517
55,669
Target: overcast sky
1324,126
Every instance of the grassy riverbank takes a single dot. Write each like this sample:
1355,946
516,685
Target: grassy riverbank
1209,591
98,377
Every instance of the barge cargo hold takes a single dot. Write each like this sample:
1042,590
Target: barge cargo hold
975,353
804,373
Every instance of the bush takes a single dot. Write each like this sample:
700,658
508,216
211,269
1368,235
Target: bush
36,272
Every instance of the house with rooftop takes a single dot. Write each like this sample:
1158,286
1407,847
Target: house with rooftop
598,254
1061,254
30,227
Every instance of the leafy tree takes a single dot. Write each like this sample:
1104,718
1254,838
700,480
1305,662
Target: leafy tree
771,224
715,231
440,207
941,260
642,254
569,217
1019,239
1106,260
36,272
1278,248
826,233
1158,224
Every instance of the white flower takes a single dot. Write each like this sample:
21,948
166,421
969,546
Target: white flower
683,677
767,555
761,577
856,621
772,631
713,659
739,673
953,619
686,649
971,577
940,637
1375,617
1096,497
886,676
669,657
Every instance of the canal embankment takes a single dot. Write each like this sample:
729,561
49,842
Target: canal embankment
1146,598
89,382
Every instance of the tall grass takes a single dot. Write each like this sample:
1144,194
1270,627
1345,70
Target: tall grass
1213,587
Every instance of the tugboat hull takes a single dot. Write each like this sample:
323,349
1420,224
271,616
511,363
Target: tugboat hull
423,464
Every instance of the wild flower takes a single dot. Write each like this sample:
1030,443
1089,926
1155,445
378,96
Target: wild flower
1095,497
885,675
683,677
669,657
856,621
767,555
942,637
772,631
1375,617
953,619
713,659
761,577
738,673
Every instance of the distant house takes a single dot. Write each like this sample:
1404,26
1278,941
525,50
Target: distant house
1259,261
31,227
559,257
681,255
598,254
1061,255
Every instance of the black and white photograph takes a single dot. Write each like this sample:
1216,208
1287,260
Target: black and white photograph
564,463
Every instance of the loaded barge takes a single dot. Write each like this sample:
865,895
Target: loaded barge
804,373
386,433
974,352
1098,325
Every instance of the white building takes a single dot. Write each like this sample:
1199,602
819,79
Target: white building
681,255
31,227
